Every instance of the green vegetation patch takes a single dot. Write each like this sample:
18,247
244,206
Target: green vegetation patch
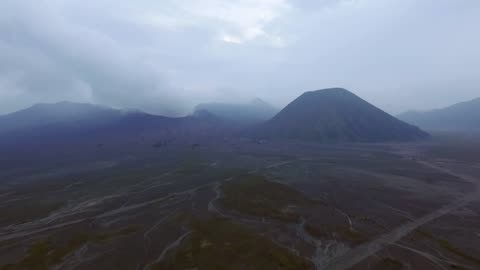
319,232
389,263
15,213
44,254
446,245
255,195
451,248
219,244
353,236
192,166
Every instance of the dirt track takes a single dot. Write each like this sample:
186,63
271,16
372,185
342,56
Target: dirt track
358,254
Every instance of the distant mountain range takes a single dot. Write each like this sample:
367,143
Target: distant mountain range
330,115
68,113
461,116
67,122
337,115
249,113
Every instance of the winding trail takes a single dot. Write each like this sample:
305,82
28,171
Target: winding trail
435,260
167,249
358,254
45,224
146,235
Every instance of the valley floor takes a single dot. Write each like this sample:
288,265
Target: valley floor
243,205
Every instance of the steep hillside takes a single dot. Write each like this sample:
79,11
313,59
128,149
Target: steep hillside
337,115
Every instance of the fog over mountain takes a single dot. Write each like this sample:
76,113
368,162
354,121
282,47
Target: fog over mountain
53,114
68,125
254,111
191,134
327,116
166,57
460,116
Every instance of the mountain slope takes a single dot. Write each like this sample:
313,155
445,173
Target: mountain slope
71,123
255,111
337,115
56,113
460,116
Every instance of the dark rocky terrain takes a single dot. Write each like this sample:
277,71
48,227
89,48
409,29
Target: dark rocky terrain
241,205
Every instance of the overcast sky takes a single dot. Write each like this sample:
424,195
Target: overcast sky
165,56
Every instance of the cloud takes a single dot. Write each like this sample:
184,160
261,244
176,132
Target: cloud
166,56
46,55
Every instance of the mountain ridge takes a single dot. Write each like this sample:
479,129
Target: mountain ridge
72,123
459,116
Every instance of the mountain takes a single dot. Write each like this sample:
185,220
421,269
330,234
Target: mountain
460,116
73,123
51,134
50,114
253,112
337,115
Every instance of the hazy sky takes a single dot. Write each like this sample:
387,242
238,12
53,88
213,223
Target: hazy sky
164,56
